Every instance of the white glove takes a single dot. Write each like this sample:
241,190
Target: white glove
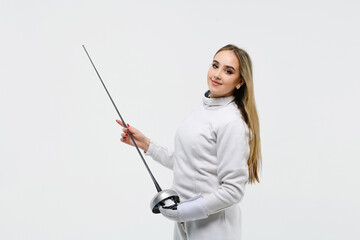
190,210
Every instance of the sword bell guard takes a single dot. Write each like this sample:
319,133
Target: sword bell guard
162,196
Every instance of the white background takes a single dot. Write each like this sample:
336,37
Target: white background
64,174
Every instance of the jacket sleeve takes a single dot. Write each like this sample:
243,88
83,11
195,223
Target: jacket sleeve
160,154
232,152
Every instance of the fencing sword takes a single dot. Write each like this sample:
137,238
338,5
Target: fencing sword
162,195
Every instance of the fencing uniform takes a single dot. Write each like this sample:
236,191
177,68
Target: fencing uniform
209,159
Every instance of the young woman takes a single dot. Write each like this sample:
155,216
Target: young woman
217,151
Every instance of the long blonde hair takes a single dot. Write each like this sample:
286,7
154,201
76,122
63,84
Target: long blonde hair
245,100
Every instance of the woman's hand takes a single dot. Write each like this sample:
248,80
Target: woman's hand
141,140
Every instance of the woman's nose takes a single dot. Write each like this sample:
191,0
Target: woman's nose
217,75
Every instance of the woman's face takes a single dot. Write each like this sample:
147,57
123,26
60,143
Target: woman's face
224,74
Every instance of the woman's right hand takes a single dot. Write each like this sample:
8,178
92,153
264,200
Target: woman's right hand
141,140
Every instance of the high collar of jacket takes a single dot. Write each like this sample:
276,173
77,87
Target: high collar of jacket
215,103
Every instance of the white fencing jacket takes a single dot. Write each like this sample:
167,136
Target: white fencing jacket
210,159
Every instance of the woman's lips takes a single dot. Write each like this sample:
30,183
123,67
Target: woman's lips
215,83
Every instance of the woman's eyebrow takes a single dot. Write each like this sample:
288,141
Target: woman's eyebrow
227,66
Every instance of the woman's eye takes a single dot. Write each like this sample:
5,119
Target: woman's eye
214,65
228,72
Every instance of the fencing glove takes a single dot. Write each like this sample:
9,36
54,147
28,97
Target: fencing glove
190,210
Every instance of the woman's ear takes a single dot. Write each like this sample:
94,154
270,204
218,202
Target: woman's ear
240,83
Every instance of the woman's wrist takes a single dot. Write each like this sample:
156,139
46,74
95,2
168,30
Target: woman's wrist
147,144
192,209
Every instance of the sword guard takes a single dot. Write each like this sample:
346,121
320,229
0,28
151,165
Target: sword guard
159,200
